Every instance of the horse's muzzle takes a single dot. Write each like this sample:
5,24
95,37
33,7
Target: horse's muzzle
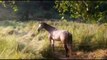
38,30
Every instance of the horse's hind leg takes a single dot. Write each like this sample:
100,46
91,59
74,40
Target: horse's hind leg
66,50
69,46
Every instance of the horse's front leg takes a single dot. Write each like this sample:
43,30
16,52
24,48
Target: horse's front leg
51,43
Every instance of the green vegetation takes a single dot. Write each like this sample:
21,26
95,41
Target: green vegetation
84,11
20,40
87,11
28,10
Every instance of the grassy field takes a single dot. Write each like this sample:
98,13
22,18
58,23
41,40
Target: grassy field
20,40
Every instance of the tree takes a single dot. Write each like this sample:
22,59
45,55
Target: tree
26,10
18,8
85,10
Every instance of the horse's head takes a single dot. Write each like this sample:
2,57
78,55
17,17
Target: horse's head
41,26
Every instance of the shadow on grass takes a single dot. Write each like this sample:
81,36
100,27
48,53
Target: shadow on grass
48,54
87,45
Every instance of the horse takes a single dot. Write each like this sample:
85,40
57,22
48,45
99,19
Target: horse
58,35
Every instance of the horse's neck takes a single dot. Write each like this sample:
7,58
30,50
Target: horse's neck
50,29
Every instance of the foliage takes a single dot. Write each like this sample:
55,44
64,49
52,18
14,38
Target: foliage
28,10
86,10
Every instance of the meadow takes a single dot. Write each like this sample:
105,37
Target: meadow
20,40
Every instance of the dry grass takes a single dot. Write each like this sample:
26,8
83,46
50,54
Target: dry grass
20,40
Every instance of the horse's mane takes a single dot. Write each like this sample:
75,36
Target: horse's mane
47,25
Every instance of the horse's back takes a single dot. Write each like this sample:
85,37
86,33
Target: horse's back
60,35
66,36
60,32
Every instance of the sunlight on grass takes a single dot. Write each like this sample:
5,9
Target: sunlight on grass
20,40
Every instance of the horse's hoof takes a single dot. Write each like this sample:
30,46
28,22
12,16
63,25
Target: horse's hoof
67,55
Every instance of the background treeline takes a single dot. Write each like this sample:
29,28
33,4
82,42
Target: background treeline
82,11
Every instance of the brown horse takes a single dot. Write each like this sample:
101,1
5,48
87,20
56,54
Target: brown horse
58,35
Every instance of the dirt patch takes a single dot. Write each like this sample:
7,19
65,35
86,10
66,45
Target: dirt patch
98,54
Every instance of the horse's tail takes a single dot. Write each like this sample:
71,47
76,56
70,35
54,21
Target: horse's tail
70,38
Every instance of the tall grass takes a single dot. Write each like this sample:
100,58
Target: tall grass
20,40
